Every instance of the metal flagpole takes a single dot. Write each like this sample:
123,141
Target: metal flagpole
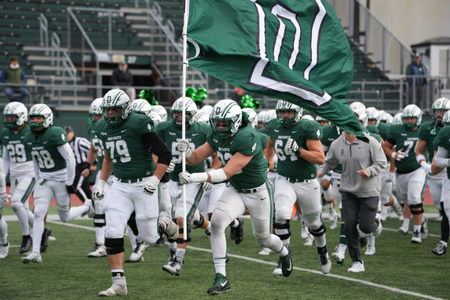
183,127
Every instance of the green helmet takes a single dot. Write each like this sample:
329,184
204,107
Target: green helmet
412,111
141,106
288,106
15,109
440,106
226,110
190,108
40,110
96,108
116,99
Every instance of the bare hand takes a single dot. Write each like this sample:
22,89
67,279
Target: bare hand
85,173
363,173
319,174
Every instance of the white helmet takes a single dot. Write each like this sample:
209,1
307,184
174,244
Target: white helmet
308,117
226,110
288,106
319,118
270,115
251,117
441,106
261,117
202,116
362,118
397,118
116,99
18,110
358,108
190,108
96,108
207,108
446,118
161,111
41,110
412,111
373,114
156,118
383,116
141,106
389,118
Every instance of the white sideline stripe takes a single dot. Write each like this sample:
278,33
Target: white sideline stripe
410,233
295,268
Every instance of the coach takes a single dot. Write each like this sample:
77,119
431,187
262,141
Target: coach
362,163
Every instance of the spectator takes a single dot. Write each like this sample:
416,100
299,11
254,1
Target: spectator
80,148
417,85
123,79
14,74
238,96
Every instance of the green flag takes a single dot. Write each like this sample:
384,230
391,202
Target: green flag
295,50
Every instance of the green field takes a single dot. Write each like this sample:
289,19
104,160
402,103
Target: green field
399,270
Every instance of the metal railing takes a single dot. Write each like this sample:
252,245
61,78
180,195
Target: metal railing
43,32
55,44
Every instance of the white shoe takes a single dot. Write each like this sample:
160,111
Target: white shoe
118,288
51,239
325,263
309,241
172,230
358,266
370,250
404,229
91,210
99,251
377,231
265,251
174,268
4,250
278,272
438,219
331,212
334,221
401,218
384,215
339,255
424,228
397,208
32,257
138,252
416,239
305,231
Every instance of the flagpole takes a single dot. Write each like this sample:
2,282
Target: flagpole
183,128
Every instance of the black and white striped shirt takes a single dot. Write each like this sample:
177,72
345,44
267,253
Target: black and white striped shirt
80,147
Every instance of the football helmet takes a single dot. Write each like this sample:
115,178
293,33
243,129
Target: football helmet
397,118
156,118
116,99
15,109
383,116
190,108
308,117
358,108
202,116
162,112
270,115
373,114
319,118
412,111
439,108
96,108
141,106
389,118
252,117
207,108
226,110
288,106
362,118
446,118
261,117
40,110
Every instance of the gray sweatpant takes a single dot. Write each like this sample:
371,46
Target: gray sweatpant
354,209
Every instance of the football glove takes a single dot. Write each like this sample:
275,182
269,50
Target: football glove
183,146
4,200
426,167
206,186
71,189
150,185
98,193
293,146
186,177
171,166
400,155
390,177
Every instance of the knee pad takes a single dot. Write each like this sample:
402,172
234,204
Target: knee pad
99,220
319,231
114,246
112,232
417,212
285,234
188,238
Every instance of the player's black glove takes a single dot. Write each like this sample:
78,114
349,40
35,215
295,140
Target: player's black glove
71,189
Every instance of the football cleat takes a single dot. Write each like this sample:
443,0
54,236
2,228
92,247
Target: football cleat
339,255
377,231
370,250
416,239
265,251
32,257
44,241
239,232
309,241
424,228
27,242
171,228
305,231
172,253
174,268
91,209
358,266
277,271
286,262
334,222
325,263
403,229
440,249
220,285
159,242
99,251
398,208
118,288
4,250
138,252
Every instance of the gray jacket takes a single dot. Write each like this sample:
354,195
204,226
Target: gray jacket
357,156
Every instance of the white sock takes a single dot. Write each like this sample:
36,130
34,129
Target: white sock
328,195
3,232
132,238
100,235
417,227
22,216
236,223
40,210
173,246
30,218
406,222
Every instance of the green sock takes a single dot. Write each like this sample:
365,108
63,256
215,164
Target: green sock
342,237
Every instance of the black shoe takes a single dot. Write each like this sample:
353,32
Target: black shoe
44,241
27,241
159,242
232,233
440,249
286,262
239,232
220,285
362,242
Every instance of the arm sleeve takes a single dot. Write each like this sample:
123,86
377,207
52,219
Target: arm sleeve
330,161
67,154
6,161
441,157
377,157
152,141
2,179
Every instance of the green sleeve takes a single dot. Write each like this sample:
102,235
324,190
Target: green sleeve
144,125
249,144
315,131
423,131
59,136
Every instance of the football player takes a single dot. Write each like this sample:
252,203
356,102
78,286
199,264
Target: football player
54,170
170,133
4,244
239,148
410,175
129,141
20,165
296,141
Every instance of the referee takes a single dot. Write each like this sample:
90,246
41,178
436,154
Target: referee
80,147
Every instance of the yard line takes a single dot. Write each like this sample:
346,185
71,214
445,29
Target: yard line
392,289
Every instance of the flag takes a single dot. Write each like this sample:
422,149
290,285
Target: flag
295,50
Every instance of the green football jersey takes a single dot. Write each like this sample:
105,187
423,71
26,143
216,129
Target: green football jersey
329,135
264,139
15,143
96,143
247,142
428,132
262,130
373,129
289,164
383,130
371,132
443,140
44,148
171,134
131,160
405,140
